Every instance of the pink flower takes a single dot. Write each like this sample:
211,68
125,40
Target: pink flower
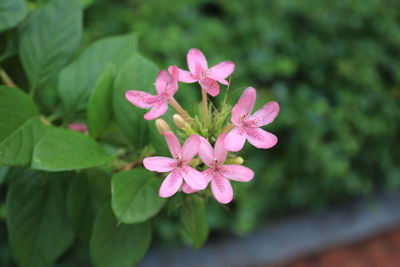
78,127
248,126
220,174
207,77
166,86
178,165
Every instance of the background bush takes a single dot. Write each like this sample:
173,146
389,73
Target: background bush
332,65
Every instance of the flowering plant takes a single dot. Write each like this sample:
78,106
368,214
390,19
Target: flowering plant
244,126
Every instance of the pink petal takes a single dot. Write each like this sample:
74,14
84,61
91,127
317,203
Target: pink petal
171,184
141,99
225,82
194,178
78,127
261,139
159,164
235,139
156,111
244,106
221,71
206,152
197,62
221,189
186,77
163,78
238,173
187,189
174,72
191,147
210,85
220,152
173,144
266,114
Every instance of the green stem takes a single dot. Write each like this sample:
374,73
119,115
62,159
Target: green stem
205,105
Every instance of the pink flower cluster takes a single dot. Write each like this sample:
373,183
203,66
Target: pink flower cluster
245,126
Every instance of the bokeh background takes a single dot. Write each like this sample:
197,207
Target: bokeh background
332,65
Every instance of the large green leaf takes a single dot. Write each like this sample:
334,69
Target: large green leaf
78,79
118,245
48,38
194,220
135,195
100,104
20,127
87,195
138,73
11,13
38,227
62,149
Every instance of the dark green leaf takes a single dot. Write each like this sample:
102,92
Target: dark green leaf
38,228
20,127
78,79
87,195
118,245
100,103
49,37
62,149
137,74
12,12
135,195
194,221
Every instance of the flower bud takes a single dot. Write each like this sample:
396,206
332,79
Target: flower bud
235,160
162,126
179,121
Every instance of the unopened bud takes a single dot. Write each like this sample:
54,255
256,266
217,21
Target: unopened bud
236,160
162,126
179,121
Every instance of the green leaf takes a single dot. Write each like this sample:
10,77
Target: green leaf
49,37
135,195
20,127
12,12
87,195
79,78
62,149
100,103
38,228
139,74
193,218
118,245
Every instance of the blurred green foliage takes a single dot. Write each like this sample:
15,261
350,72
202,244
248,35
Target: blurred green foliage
332,65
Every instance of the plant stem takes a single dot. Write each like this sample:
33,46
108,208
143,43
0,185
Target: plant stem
205,105
179,108
228,128
7,80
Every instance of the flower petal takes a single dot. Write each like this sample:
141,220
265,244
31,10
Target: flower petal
191,147
186,77
222,189
237,172
141,99
187,189
156,111
172,85
261,139
244,106
206,152
210,86
196,61
266,114
174,72
221,71
194,178
173,144
220,152
234,140
159,164
163,78
171,184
